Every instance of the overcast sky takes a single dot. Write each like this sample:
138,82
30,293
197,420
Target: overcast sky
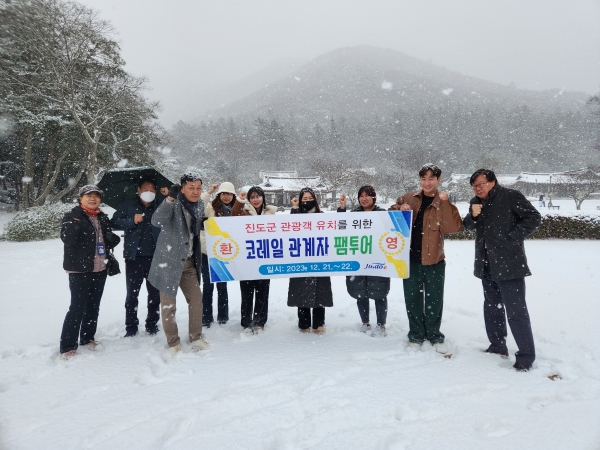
189,47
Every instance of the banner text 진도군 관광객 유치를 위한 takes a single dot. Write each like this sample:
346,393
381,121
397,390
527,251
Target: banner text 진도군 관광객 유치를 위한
304,245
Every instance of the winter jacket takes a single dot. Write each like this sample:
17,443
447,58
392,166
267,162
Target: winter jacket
246,209
439,217
309,292
506,219
367,286
122,219
173,246
79,237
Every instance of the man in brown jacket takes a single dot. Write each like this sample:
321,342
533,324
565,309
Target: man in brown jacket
433,215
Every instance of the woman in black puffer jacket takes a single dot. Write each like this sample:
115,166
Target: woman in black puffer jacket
362,288
309,292
87,236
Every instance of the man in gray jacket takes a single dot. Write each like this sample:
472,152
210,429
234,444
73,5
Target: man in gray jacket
177,259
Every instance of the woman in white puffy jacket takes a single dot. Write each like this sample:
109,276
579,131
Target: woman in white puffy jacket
219,207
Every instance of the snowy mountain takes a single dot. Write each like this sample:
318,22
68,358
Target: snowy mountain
247,85
368,81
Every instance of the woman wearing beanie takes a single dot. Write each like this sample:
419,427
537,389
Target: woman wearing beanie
308,293
219,207
255,293
362,288
87,236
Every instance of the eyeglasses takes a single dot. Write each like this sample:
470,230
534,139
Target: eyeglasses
479,185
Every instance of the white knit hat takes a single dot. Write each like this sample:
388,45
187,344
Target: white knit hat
226,187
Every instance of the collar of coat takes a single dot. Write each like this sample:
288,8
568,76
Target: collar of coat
267,209
436,198
491,195
140,203
78,212
375,208
494,191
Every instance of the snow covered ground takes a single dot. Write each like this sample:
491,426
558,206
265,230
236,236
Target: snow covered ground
286,390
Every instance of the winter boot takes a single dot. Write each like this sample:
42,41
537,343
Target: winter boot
175,350
379,331
68,355
520,367
200,344
440,347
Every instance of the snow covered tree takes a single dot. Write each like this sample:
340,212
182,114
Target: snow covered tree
580,184
272,141
595,100
60,68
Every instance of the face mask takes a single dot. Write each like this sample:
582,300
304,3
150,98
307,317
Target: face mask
307,206
148,196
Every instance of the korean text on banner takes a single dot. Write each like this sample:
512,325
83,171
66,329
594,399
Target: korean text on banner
304,245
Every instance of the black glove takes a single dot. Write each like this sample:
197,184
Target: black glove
174,191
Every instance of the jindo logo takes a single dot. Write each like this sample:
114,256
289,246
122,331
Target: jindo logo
377,266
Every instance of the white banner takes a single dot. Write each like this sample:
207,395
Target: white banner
304,245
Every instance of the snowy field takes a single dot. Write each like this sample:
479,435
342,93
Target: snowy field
286,390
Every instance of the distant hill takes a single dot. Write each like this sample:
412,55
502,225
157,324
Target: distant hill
367,81
249,84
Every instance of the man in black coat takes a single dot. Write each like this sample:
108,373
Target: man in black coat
134,216
503,218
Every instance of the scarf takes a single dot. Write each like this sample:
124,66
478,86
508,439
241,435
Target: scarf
192,208
91,212
226,209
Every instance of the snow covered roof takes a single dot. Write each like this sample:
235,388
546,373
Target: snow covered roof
507,180
456,177
288,184
282,174
547,178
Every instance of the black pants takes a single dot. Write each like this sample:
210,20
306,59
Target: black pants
261,305
318,318
207,296
507,299
82,318
380,308
136,270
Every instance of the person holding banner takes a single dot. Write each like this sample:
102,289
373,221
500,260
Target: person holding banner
309,292
433,216
177,262
220,207
362,288
255,293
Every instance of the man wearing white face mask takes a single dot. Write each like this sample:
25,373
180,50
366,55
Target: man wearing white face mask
133,216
